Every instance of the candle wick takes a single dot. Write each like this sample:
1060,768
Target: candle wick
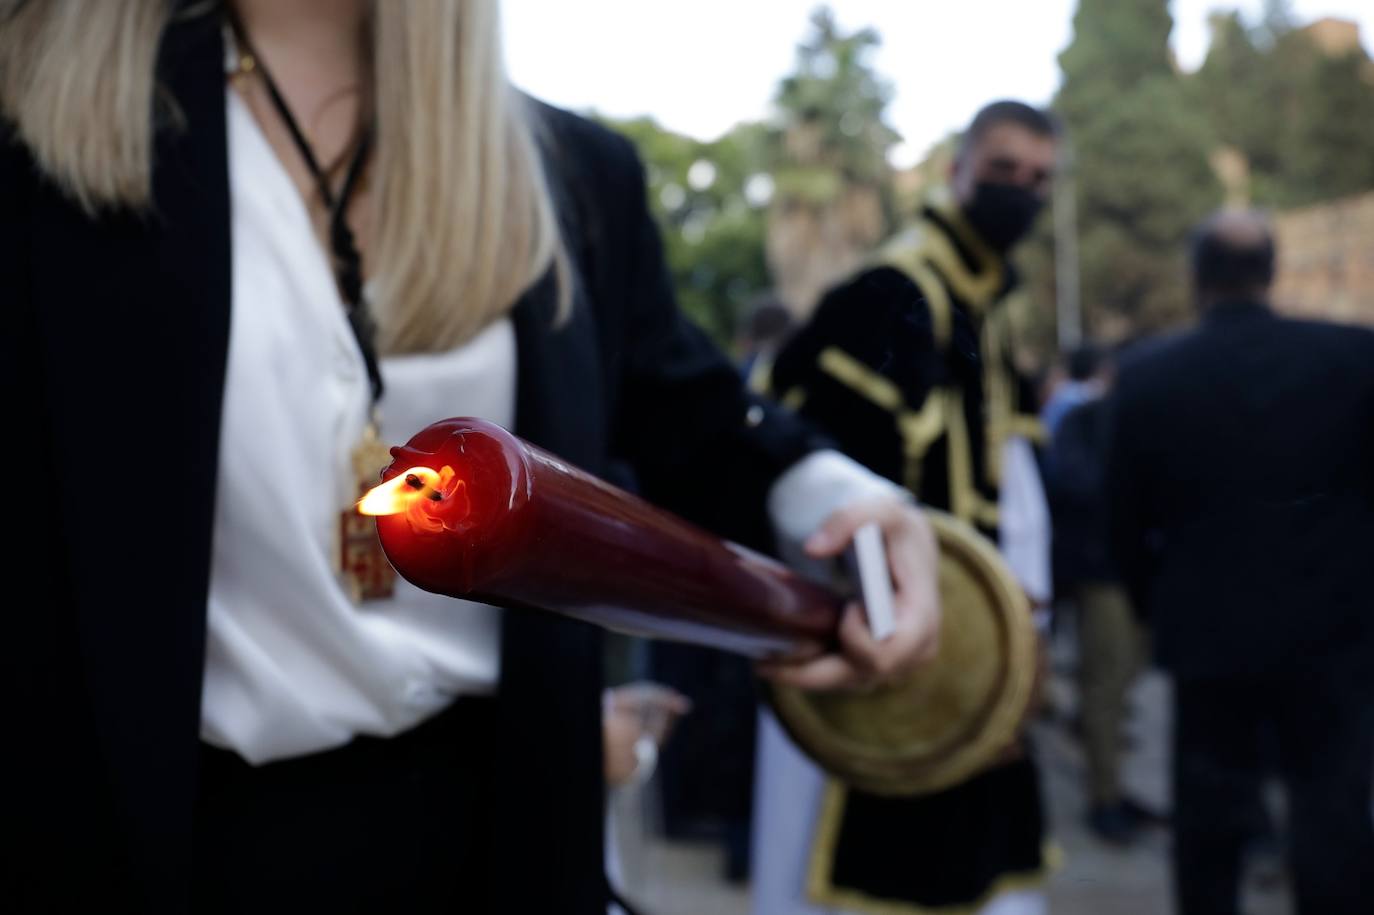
430,492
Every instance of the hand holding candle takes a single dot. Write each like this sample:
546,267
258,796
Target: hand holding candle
469,510
865,661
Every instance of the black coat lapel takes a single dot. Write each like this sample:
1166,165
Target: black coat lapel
136,315
550,720
561,389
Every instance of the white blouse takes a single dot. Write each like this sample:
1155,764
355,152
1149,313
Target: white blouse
293,666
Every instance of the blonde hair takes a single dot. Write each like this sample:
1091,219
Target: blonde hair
463,219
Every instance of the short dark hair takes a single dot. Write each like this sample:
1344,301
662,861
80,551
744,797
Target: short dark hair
1233,253
1085,360
1038,121
768,320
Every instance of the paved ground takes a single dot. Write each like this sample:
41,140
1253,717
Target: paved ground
684,879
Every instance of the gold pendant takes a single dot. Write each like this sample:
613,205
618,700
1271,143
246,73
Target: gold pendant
362,565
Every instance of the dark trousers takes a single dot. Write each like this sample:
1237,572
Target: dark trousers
1112,653
1316,728
398,825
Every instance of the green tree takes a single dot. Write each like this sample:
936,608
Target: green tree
1276,21
709,199
829,147
1142,175
824,152
1235,87
1117,45
1329,147
839,101
1302,117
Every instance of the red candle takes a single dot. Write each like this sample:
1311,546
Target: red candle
471,511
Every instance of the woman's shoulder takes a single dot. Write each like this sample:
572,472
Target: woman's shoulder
18,176
577,134
580,147
14,155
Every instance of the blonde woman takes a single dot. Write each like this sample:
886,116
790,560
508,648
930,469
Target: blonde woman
239,244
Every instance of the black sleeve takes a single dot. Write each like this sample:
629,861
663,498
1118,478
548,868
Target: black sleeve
1125,482
56,777
1074,460
867,354
699,443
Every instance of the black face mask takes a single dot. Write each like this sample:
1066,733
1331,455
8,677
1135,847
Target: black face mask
1002,213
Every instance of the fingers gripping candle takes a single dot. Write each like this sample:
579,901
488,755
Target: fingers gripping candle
469,510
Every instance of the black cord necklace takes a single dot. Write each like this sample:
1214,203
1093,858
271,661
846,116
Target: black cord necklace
346,259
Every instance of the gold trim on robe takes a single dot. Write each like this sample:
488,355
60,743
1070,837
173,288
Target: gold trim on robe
965,501
821,890
918,429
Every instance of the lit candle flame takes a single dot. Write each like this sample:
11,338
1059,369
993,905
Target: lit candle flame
396,495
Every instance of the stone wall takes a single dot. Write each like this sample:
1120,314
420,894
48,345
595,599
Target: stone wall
1326,260
813,245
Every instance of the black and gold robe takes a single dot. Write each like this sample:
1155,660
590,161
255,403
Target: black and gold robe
907,366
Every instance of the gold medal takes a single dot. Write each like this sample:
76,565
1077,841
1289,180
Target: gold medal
362,565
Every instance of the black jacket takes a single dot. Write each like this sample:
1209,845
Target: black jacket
908,366
1241,482
114,347
1075,471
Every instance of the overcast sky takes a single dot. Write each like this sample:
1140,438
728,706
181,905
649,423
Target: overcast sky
700,67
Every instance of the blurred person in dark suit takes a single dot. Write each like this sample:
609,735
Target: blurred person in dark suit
764,333
1077,383
1111,645
1241,485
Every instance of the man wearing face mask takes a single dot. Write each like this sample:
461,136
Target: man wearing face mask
907,365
